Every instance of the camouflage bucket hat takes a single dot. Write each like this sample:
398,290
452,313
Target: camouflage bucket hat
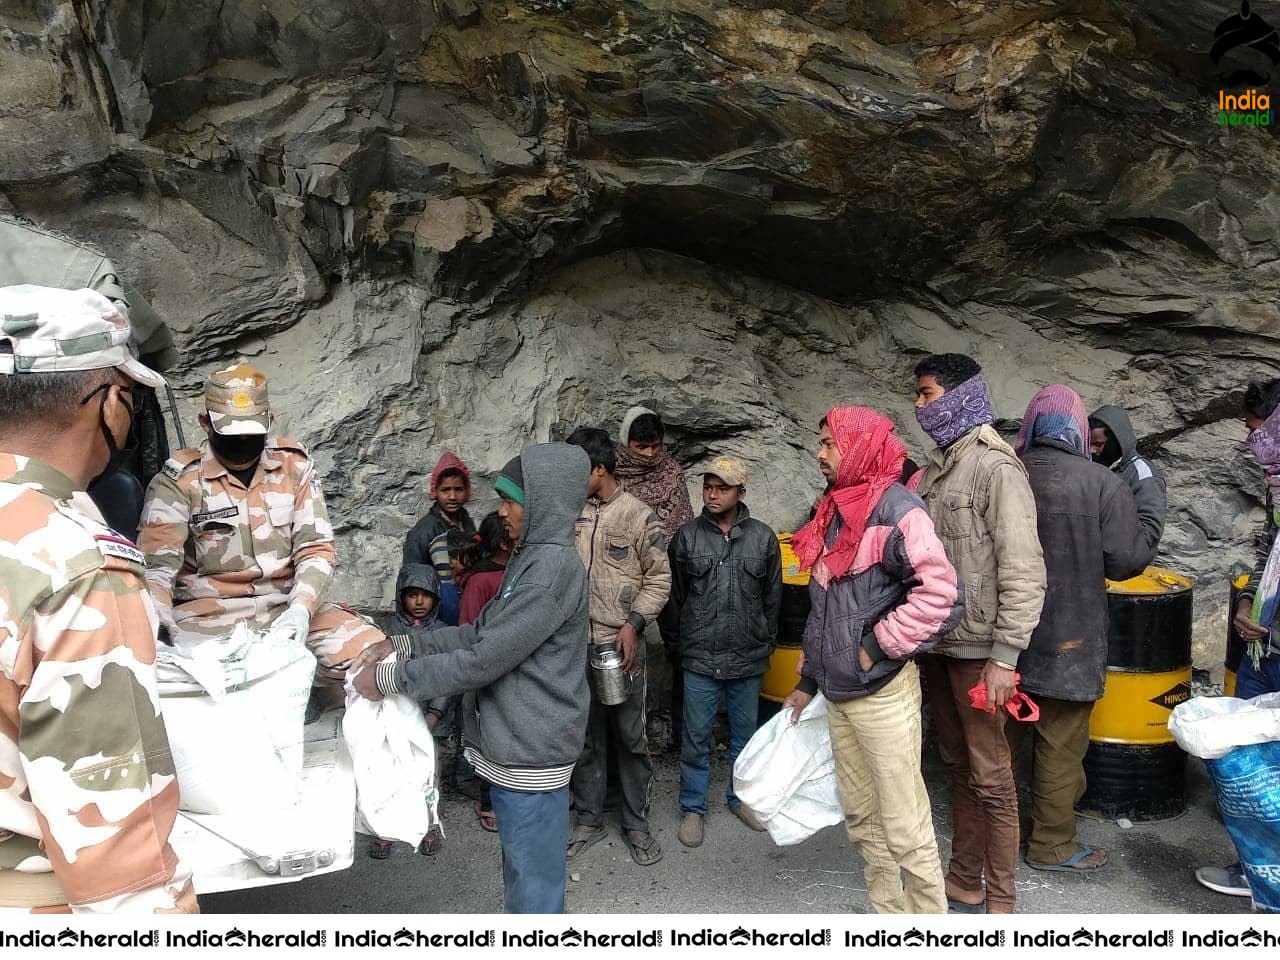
50,330
236,399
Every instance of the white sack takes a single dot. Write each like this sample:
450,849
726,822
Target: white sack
394,758
786,775
1211,727
233,709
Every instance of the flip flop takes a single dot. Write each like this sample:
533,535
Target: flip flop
643,848
380,850
488,819
1071,865
584,837
431,843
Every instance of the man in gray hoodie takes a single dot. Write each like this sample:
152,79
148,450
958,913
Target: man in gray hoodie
1115,445
523,668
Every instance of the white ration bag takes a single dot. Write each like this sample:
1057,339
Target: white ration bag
786,775
394,758
1211,727
234,709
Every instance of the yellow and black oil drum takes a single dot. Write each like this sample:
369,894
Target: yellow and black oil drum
1135,770
1235,643
784,665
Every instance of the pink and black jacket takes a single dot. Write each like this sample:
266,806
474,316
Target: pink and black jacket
899,598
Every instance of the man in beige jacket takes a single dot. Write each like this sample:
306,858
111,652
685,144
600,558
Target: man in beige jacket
622,545
977,493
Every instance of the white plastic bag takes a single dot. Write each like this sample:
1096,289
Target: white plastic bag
394,758
786,775
233,709
1211,727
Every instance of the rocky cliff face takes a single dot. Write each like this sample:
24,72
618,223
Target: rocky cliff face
466,224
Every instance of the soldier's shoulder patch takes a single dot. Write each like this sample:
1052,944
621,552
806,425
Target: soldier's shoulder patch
180,461
114,545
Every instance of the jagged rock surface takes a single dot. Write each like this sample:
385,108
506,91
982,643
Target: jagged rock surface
469,225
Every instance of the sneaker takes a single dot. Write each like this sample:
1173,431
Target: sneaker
690,832
747,817
1229,880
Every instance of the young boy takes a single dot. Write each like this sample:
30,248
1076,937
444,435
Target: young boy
726,587
450,489
417,595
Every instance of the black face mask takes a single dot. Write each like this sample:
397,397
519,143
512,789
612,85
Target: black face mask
115,453
238,448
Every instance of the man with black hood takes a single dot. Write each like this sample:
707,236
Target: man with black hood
1115,445
523,667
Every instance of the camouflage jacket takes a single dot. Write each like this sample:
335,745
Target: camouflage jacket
87,784
218,552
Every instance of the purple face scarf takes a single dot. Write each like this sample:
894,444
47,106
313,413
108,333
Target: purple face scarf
957,412
1265,443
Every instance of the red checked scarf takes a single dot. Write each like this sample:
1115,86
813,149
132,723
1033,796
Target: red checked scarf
871,459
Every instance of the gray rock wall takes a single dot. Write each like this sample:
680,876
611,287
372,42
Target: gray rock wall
465,225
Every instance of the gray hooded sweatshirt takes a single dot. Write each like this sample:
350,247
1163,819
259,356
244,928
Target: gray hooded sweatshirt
523,662
1139,473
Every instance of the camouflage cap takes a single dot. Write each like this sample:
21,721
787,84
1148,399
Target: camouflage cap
51,330
236,399
729,469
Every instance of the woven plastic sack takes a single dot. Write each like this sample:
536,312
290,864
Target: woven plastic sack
233,709
393,755
786,775
1239,741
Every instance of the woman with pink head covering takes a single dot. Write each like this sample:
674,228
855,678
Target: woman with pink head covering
1088,525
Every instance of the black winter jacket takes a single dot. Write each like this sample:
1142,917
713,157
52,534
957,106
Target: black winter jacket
417,544
903,599
1089,529
726,592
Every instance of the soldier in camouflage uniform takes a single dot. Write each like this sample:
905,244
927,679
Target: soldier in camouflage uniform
88,795
237,530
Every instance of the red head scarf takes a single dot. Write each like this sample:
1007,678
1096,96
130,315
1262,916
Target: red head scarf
871,459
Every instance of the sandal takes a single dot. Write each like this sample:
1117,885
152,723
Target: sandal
380,850
584,837
1074,864
431,843
488,819
643,847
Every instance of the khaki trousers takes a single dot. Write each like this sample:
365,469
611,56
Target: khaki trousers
1059,741
876,743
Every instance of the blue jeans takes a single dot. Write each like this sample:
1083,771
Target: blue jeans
701,701
534,831
1251,682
